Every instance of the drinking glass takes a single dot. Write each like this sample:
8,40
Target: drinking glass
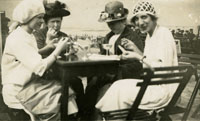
107,47
86,52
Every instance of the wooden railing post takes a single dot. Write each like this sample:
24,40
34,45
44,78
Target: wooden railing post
1,41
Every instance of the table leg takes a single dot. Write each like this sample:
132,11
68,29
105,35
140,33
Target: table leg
64,96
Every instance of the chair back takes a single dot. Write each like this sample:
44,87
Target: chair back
162,75
193,59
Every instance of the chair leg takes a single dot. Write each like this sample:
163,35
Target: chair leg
165,118
196,112
190,103
189,106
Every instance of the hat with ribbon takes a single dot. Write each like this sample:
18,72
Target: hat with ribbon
55,9
143,7
114,11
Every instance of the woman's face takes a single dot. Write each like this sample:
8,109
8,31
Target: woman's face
116,26
145,22
36,22
55,23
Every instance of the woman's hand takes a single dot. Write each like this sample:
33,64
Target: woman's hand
129,45
51,33
51,44
62,44
129,54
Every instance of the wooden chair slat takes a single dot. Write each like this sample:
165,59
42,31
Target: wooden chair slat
159,82
189,61
116,111
168,75
192,56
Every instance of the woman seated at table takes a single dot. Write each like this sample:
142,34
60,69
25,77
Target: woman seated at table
51,34
23,68
159,51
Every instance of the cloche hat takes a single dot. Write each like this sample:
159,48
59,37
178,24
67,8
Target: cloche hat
27,9
143,7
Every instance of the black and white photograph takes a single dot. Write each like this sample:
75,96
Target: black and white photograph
100,60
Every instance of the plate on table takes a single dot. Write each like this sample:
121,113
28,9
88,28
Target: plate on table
103,57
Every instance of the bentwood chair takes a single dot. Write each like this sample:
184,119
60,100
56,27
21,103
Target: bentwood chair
191,59
162,75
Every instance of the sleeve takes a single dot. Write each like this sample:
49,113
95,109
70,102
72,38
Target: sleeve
29,57
40,39
167,53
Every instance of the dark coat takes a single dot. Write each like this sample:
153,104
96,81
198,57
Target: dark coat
130,68
40,36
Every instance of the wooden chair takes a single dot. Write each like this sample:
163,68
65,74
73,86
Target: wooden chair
164,75
194,60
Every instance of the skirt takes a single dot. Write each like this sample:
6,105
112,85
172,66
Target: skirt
122,93
42,96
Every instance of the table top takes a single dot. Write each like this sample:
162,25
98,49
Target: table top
74,60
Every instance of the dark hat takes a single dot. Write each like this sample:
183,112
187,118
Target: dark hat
114,11
56,9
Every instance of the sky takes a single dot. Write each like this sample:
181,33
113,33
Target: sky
85,13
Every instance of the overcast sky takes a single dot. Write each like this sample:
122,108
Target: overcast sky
85,13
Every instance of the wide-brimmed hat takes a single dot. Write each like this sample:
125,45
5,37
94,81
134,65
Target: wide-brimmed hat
114,11
143,7
55,9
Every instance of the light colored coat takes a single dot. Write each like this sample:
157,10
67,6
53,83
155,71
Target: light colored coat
22,69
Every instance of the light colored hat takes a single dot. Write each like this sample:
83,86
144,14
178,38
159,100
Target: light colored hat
114,11
27,9
144,7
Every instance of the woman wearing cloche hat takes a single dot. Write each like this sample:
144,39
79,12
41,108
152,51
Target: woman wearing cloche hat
159,51
23,68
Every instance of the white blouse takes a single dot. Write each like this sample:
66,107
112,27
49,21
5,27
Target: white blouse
112,41
20,61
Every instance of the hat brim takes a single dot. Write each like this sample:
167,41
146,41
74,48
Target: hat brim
57,13
144,12
111,20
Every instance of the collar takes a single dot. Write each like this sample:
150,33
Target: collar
156,28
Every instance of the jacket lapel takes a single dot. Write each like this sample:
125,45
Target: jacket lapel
124,34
